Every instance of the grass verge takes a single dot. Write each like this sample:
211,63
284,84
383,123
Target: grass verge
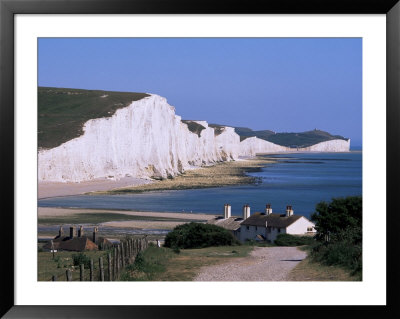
308,270
164,264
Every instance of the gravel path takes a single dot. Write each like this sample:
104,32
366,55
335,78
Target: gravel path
263,264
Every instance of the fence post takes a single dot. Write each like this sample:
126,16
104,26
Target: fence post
119,258
109,267
54,278
130,249
114,264
69,275
123,253
117,261
82,272
101,269
91,270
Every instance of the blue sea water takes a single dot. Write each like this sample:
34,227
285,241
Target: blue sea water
299,179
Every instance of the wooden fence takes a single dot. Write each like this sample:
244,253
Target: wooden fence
121,255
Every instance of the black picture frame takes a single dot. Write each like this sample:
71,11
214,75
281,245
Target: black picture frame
8,9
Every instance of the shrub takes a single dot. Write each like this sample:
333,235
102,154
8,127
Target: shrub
344,248
290,240
196,235
339,233
81,258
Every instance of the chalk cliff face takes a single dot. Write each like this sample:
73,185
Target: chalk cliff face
148,140
254,145
145,139
329,146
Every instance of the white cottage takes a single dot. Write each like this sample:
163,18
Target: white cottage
267,226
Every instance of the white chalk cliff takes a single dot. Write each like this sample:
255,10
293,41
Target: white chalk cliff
147,139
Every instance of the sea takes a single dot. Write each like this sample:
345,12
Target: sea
301,180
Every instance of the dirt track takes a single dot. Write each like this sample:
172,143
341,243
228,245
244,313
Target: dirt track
263,264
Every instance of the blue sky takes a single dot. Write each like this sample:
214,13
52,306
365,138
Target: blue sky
281,84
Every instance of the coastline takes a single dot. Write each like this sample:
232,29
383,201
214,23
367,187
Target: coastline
218,175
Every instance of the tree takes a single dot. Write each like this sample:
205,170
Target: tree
339,215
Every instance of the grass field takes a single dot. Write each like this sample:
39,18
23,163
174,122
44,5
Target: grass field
47,266
62,112
97,218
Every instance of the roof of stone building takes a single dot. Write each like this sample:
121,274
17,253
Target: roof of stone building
231,223
272,220
72,244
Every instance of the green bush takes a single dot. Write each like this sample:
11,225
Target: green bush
81,258
290,240
196,235
341,213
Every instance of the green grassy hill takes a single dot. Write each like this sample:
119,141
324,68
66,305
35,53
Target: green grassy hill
62,112
301,139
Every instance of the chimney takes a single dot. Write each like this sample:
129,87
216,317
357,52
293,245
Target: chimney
246,211
80,231
72,232
61,232
95,230
268,209
289,210
227,211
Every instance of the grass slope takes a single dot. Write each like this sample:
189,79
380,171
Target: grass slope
62,112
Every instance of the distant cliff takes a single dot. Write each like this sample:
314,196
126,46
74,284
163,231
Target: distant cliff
147,139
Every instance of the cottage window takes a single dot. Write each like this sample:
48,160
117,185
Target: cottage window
279,230
247,227
309,229
256,227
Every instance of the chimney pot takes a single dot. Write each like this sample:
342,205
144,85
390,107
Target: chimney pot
95,230
72,232
80,231
246,211
228,210
289,210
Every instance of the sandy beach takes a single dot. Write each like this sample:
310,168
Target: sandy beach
58,212
55,189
